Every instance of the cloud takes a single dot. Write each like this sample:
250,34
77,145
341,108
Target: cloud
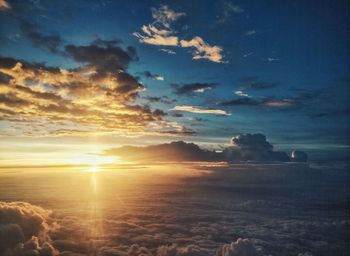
270,59
203,50
242,247
160,33
148,74
242,148
241,93
200,110
174,249
165,15
51,42
265,102
163,99
298,156
192,88
167,51
229,8
4,5
252,147
250,32
98,97
156,36
174,151
24,230
105,56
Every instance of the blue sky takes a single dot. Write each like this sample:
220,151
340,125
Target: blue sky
279,67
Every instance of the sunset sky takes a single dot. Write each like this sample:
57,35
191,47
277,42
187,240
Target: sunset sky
80,77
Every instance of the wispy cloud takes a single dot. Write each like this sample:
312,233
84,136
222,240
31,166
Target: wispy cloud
167,51
160,33
200,110
241,93
250,32
229,8
203,50
270,59
4,5
192,88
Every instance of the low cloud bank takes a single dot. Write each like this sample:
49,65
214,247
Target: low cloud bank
244,147
24,230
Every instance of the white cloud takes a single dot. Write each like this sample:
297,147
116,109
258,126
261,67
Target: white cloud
250,32
160,33
241,93
159,78
200,110
203,50
167,51
270,59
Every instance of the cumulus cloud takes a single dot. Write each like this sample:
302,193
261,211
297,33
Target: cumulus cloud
242,247
24,230
98,96
242,148
203,50
252,147
200,110
192,88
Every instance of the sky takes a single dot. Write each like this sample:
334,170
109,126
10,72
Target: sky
80,77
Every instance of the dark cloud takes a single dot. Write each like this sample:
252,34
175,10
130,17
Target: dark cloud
241,102
264,102
192,88
244,147
150,75
253,147
174,151
299,156
105,56
162,99
51,42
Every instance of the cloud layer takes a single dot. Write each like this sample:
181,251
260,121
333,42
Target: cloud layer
24,230
244,147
